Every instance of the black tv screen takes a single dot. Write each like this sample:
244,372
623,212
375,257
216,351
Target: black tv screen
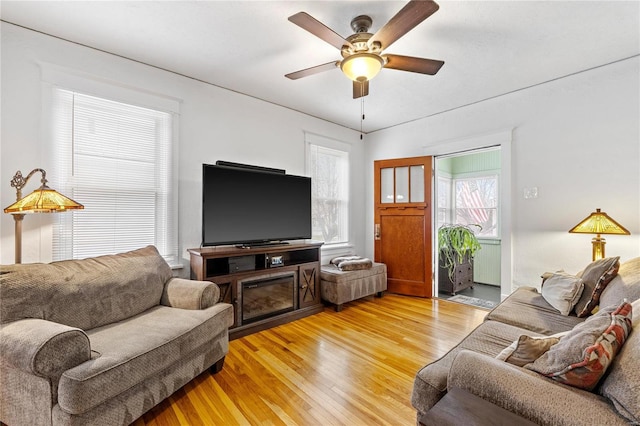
243,205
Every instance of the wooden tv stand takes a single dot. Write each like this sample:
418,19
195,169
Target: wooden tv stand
231,268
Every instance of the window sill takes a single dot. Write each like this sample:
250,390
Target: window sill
336,247
489,241
328,252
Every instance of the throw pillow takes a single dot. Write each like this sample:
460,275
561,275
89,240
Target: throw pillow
545,276
581,358
596,277
351,263
336,260
622,384
562,291
526,349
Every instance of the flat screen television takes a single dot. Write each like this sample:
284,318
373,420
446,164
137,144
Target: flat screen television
248,205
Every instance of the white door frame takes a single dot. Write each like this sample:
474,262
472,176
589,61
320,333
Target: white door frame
503,139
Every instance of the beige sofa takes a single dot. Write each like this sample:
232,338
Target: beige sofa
472,366
101,341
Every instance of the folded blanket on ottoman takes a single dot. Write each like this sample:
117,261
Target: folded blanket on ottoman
351,263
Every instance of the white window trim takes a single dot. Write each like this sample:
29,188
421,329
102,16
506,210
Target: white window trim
53,76
310,138
449,208
104,88
504,139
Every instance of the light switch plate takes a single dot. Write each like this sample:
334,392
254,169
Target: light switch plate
531,192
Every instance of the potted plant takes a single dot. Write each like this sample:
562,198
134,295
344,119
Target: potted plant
457,245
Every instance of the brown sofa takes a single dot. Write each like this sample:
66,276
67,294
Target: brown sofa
472,366
100,341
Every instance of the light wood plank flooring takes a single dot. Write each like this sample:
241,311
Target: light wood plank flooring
354,367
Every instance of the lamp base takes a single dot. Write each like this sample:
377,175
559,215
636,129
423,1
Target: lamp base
598,247
18,236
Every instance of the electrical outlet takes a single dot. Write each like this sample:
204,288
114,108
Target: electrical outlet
531,192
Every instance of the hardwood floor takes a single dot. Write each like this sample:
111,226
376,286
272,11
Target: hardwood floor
354,367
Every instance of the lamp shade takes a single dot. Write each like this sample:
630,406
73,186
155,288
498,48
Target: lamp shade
43,200
599,223
361,66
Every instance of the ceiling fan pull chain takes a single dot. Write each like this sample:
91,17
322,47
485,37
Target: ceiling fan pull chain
361,115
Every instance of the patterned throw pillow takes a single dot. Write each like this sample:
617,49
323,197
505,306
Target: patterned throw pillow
581,358
596,277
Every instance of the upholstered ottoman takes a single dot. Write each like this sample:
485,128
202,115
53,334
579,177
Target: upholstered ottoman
339,287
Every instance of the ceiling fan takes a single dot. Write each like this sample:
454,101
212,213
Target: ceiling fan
362,51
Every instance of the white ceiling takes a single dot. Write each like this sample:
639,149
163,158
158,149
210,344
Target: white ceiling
489,47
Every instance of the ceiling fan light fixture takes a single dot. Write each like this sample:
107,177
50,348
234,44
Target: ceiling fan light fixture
361,66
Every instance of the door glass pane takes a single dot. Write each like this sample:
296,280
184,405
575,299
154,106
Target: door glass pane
386,185
417,184
402,184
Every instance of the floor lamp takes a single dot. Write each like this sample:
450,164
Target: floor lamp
42,200
599,223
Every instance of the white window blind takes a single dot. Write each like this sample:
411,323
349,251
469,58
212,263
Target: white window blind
329,171
116,160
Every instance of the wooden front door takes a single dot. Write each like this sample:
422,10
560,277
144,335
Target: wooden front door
402,191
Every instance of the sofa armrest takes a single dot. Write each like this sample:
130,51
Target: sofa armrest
190,294
43,348
527,393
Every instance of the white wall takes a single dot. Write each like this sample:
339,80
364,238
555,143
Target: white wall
214,124
576,139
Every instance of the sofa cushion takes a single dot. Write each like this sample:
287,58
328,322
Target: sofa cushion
489,338
596,276
562,291
140,347
527,309
625,285
622,383
582,357
84,293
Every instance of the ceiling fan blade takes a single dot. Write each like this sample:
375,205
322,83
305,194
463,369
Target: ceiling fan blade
409,63
404,21
317,28
360,89
313,70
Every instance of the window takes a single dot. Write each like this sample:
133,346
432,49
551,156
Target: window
444,201
116,159
329,171
476,202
